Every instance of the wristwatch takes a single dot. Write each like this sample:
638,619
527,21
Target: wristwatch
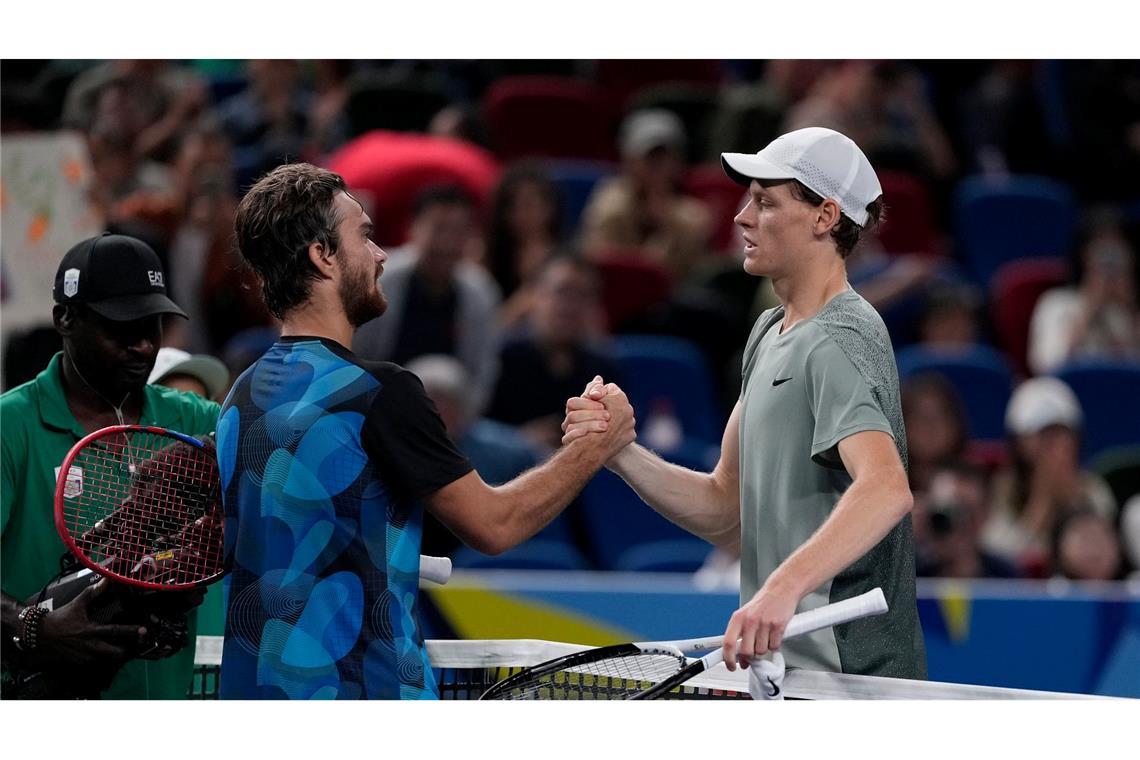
28,628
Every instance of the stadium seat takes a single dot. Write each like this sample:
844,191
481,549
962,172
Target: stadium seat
909,225
621,79
659,369
616,519
1013,295
536,554
981,375
672,556
560,117
576,180
632,284
695,104
395,167
1003,219
722,197
1108,392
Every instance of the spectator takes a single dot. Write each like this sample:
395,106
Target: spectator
161,100
524,231
881,105
554,360
1099,317
200,374
644,207
498,452
1044,482
1086,548
948,522
935,422
268,122
950,319
328,124
438,302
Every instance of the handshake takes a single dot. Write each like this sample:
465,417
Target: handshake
602,417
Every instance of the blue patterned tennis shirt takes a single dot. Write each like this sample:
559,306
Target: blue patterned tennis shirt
324,460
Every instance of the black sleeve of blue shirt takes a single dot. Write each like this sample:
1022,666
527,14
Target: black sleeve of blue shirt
406,438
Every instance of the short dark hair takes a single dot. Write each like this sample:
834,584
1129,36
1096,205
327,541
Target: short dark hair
846,233
441,195
285,212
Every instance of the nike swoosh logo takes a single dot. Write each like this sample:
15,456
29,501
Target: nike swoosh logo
777,382
775,692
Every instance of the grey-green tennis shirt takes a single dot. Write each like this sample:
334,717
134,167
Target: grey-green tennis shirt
804,391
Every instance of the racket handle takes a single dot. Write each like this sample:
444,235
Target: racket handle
435,569
871,603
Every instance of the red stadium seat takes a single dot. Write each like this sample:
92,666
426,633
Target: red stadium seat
631,284
395,167
723,198
909,225
558,117
621,79
1013,294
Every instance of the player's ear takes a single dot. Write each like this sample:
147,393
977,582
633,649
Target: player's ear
321,258
827,216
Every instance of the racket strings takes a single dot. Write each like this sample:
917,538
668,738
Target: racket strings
613,678
146,506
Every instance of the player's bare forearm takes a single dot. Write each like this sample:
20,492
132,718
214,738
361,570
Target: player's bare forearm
705,504
493,520
874,503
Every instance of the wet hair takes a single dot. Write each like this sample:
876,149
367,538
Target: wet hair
285,212
846,233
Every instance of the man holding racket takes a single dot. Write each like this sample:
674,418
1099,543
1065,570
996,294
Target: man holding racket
110,299
811,483
326,459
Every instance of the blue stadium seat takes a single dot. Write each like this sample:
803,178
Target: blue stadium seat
1109,392
615,518
998,220
657,368
536,554
674,556
981,375
576,181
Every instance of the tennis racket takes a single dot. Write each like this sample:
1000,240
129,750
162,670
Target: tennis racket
649,670
142,505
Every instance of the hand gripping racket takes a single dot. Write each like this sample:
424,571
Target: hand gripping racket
648,670
142,505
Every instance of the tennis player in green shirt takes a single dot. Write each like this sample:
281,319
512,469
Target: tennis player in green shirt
110,298
811,484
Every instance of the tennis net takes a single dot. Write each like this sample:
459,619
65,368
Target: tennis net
467,668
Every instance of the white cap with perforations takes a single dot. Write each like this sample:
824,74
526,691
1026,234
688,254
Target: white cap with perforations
827,162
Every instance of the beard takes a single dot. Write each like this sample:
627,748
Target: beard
361,299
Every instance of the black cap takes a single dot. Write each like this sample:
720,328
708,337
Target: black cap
119,277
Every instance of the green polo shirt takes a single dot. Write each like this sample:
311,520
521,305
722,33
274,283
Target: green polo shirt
37,429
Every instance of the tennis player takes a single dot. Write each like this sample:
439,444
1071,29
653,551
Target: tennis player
811,482
326,460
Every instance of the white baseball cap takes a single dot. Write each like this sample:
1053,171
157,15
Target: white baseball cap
644,130
206,369
1040,402
828,163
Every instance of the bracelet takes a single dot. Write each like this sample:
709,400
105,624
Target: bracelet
29,628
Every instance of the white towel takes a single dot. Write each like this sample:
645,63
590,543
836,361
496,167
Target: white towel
766,677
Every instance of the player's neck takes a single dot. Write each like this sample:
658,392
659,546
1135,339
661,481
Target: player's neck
805,292
318,320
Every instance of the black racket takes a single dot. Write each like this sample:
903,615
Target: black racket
649,670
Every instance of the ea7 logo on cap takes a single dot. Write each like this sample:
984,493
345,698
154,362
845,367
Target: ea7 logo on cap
155,278
71,282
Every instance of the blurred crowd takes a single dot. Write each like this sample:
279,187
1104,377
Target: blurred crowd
536,211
